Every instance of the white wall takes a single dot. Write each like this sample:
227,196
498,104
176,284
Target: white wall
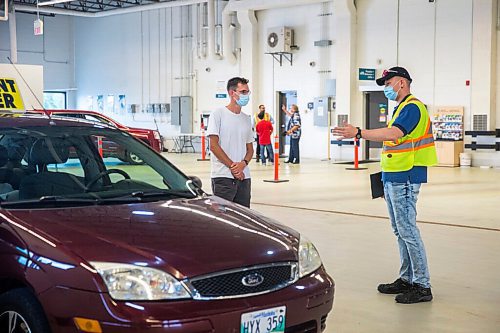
303,78
54,50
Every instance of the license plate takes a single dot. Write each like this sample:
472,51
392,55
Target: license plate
264,321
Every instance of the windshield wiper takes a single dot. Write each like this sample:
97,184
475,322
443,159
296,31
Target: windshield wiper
48,201
139,196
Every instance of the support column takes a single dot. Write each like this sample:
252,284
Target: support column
13,34
344,13
249,56
484,57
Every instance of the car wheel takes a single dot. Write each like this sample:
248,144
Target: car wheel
134,159
20,312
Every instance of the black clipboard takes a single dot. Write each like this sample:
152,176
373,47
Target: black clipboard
377,185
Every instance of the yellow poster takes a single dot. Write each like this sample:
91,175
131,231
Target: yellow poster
10,96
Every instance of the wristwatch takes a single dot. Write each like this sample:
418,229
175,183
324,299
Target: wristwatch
358,135
246,162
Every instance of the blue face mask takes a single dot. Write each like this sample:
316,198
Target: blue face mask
243,100
390,93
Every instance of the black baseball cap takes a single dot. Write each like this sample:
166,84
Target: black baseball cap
392,72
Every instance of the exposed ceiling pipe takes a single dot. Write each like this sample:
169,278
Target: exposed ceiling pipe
227,36
266,4
135,9
211,29
239,5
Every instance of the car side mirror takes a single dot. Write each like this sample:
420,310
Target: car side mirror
196,181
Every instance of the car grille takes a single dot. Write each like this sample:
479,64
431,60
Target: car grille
230,284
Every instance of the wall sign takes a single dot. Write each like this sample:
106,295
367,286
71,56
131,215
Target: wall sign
367,74
10,96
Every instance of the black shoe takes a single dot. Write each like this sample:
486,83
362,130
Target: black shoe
296,163
287,162
415,295
257,161
397,287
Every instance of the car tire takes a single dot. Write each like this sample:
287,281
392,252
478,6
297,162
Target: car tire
134,159
29,314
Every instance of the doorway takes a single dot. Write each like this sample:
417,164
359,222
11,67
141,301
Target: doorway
376,117
287,98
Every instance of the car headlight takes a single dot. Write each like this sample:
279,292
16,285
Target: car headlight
129,282
309,259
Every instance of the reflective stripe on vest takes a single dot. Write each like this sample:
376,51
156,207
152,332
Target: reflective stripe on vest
412,144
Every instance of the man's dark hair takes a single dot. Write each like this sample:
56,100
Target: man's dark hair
232,84
261,105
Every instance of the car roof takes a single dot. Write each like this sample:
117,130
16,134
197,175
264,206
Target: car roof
9,119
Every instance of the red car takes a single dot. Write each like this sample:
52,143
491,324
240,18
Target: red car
91,245
150,137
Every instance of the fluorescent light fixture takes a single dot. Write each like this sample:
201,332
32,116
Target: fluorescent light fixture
52,2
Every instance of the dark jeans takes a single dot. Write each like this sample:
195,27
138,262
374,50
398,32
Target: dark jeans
294,156
257,150
233,190
269,149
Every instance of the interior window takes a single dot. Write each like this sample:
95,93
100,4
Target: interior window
55,100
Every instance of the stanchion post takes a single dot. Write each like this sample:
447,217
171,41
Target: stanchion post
356,156
276,163
203,145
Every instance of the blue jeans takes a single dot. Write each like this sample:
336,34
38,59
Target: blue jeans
402,204
294,156
269,149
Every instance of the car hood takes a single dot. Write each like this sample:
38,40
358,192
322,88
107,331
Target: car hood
185,237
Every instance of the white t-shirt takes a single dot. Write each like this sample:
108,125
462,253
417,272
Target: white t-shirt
234,132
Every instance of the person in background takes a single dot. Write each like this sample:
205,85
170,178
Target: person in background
231,144
255,120
408,149
293,129
264,129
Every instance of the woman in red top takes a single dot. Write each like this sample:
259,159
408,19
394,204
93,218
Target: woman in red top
264,130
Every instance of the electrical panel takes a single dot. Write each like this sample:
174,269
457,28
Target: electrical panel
322,107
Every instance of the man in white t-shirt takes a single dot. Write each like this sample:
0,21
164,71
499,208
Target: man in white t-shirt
231,143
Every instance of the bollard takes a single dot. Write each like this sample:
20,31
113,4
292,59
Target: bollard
356,157
203,145
276,163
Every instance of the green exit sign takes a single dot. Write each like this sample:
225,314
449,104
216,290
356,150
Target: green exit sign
367,74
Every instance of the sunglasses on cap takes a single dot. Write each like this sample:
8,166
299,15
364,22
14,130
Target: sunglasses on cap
387,71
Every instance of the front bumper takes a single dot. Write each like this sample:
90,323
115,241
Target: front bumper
307,302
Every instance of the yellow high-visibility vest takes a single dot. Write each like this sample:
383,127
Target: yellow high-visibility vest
414,149
266,117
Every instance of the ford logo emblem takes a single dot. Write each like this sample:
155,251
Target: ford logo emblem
252,280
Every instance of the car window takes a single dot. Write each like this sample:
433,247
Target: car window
72,115
99,119
91,163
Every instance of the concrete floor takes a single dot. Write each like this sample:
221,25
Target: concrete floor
459,218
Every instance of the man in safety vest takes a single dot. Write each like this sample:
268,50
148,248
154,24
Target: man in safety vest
408,149
256,119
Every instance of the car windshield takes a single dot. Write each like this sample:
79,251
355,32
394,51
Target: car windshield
82,165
